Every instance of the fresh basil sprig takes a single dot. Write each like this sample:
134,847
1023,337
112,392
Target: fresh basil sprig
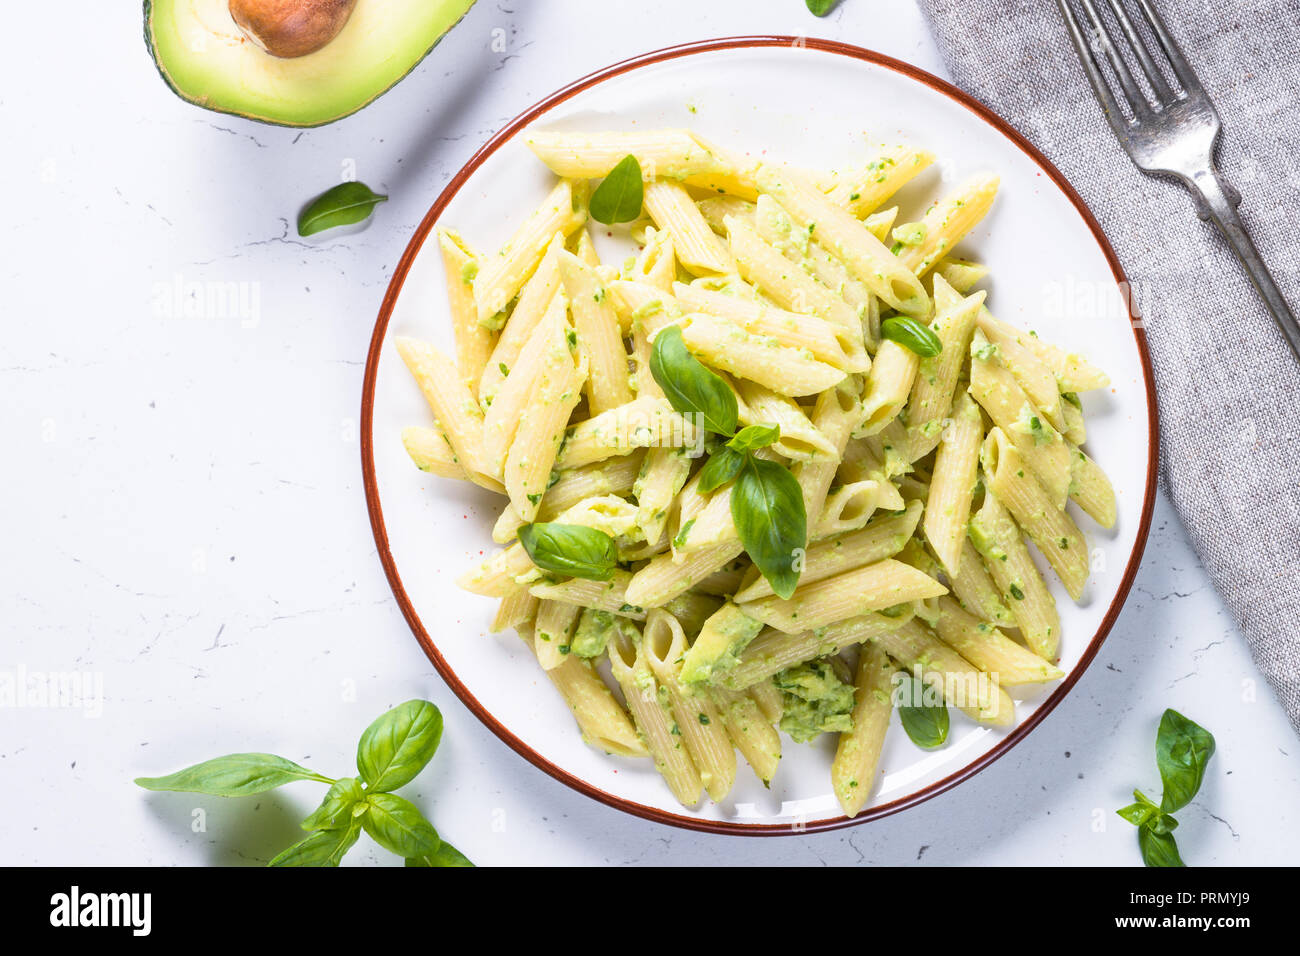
1183,750
573,550
726,463
766,500
619,196
926,724
911,334
391,752
343,205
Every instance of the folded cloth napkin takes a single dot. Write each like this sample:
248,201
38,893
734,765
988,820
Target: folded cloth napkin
1227,383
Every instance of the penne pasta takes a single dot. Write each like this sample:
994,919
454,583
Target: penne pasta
697,718
500,277
1055,534
1021,587
473,341
925,459
842,234
729,347
866,190
952,486
542,425
696,247
874,587
857,752
654,721
773,651
948,222
989,649
597,335
602,722
449,399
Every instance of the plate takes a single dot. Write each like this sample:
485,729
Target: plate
816,104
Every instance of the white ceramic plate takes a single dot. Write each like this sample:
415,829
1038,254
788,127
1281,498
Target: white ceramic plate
818,105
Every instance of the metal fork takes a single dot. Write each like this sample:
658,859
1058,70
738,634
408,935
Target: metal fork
1171,133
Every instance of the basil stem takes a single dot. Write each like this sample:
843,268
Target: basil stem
1183,750
344,205
393,749
620,194
336,809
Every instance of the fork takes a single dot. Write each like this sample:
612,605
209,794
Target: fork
1171,132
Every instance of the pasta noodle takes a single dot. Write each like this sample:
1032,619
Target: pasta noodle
924,479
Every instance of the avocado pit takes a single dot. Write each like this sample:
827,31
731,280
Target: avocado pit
291,28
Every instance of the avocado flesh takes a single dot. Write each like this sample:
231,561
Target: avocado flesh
207,59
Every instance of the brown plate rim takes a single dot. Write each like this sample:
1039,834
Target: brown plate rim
376,513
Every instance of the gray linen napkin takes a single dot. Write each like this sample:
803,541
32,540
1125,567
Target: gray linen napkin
1228,386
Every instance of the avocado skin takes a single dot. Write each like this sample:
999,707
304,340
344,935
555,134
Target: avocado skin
201,101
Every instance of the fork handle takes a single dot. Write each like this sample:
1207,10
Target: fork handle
1217,202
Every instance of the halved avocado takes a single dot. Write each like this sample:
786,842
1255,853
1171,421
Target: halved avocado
208,60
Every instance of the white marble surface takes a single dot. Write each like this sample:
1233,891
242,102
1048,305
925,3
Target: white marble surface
184,520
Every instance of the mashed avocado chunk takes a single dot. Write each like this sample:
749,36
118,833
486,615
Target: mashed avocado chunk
816,700
593,631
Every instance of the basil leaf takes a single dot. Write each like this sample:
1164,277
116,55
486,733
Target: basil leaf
1161,824
821,7
690,387
618,197
398,744
322,848
1141,812
723,466
336,809
447,855
234,775
754,437
1183,748
344,205
570,549
911,334
1158,849
926,724
1136,813
397,825
768,510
